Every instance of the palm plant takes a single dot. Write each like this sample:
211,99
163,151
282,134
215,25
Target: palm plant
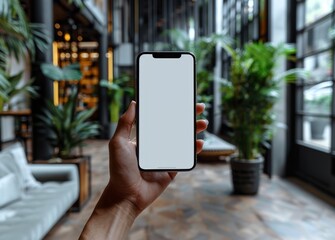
68,128
116,90
70,72
204,50
9,88
17,38
17,35
248,99
252,91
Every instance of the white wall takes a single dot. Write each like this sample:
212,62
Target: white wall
278,34
7,123
217,70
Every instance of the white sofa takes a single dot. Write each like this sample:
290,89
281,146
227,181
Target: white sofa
33,197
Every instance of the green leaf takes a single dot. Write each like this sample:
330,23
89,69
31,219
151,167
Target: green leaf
250,93
84,115
51,71
70,72
4,83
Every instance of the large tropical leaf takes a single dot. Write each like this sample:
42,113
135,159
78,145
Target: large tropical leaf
70,72
17,35
69,127
4,83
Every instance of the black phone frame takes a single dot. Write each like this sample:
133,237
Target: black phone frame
165,54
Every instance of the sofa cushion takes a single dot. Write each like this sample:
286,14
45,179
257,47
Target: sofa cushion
27,180
38,210
4,170
8,165
9,189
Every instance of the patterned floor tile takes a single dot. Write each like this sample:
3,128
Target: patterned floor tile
199,205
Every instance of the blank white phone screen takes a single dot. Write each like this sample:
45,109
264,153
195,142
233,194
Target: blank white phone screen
166,112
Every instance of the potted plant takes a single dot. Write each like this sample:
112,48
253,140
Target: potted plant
10,88
204,50
248,100
18,38
116,90
68,127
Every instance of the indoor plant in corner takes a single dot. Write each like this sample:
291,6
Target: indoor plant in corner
68,127
203,49
116,90
18,39
248,100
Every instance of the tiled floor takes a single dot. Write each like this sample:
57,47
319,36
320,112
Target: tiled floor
199,205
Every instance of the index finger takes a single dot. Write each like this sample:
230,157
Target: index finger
200,108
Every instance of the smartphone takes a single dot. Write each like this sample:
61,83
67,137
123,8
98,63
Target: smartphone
166,111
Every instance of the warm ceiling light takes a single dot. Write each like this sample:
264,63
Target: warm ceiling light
84,55
67,37
80,38
88,44
59,33
94,55
57,25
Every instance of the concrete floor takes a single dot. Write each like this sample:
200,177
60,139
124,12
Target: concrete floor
199,205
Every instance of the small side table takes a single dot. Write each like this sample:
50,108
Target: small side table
83,165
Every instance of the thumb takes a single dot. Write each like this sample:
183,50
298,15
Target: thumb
126,121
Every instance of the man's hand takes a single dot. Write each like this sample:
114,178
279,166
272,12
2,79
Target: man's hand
126,180
129,190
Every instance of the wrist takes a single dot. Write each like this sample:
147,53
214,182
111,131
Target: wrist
110,200
112,218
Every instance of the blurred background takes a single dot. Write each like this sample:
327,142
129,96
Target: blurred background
265,70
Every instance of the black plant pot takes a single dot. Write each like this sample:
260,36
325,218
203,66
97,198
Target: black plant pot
246,175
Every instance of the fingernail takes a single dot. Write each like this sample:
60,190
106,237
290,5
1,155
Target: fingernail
132,103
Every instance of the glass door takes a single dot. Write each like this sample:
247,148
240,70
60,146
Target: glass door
314,115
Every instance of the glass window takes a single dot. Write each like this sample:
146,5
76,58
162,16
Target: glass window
318,98
314,106
242,21
238,22
238,6
251,30
317,131
300,45
256,6
321,36
315,9
317,38
300,16
250,10
319,67
255,29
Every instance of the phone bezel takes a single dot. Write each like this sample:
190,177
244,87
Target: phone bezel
165,54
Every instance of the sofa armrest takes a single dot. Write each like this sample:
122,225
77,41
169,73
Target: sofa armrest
54,172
